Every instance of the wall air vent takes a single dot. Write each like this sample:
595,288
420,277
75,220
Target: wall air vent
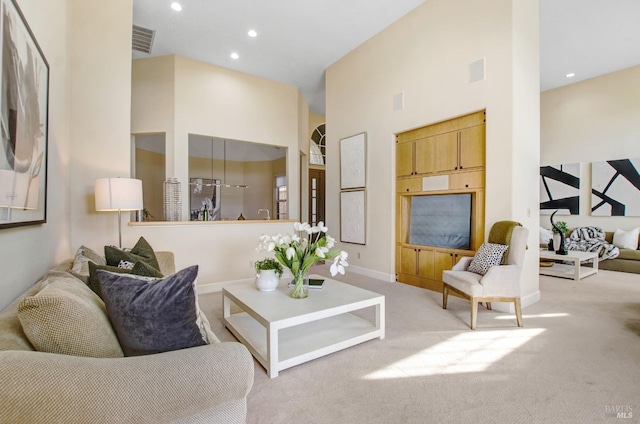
142,39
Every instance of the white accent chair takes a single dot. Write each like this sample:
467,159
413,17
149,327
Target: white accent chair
500,284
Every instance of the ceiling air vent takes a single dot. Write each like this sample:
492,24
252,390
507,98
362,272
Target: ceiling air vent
142,40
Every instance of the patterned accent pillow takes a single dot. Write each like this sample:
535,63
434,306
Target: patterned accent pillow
489,254
153,317
67,318
126,264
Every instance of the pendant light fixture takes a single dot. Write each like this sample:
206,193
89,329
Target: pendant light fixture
224,181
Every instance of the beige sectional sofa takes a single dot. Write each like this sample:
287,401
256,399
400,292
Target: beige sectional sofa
203,384
627,261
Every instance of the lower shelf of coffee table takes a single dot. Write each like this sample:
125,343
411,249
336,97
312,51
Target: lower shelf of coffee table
304,342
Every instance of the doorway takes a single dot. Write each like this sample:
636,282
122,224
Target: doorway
316,196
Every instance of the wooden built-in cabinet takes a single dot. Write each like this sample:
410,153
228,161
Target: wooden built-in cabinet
422,266
443,158
460,150
416,157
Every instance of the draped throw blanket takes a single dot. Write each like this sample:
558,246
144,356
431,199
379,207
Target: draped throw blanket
591,239
501,234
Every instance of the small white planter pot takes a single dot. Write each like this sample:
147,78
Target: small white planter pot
267,280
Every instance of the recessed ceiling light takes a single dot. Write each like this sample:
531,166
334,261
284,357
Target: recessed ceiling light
252,33
570,75
176,6
235,55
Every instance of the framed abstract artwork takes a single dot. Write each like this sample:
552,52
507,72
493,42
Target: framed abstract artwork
24,122
352,217
615,188
353,161
560,189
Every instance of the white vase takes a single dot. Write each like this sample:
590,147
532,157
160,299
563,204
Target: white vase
267,280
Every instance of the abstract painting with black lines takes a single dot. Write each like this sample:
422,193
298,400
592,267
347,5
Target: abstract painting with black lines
560,189
615,188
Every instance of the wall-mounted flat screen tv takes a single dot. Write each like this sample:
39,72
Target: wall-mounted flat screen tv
442,220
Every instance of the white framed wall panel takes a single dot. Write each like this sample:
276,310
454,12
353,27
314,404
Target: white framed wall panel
353,161
353,216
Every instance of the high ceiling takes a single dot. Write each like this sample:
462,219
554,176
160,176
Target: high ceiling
298,39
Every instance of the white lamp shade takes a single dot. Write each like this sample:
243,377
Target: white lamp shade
113,194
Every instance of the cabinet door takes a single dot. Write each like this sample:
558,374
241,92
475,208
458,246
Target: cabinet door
408,185
464,180
442,262
425,264
408,258
472,147
404,159
425,156
446,152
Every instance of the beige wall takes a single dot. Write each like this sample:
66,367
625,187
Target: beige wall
27,252
150,169
181,96
426,56
223,250
100,110
261,192
89,132
315,119
300,199
591,121
213,101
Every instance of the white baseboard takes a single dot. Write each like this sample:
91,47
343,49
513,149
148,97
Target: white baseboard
217,287
389,278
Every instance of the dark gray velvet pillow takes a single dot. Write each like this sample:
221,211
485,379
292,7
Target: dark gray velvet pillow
153,317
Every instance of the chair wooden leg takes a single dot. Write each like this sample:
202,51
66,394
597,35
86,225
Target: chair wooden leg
445,295
488,305
518,311
474,312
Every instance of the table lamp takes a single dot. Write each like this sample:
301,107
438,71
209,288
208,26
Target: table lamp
118,194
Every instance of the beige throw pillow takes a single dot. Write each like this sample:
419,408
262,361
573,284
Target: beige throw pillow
66,317
80,267
626,239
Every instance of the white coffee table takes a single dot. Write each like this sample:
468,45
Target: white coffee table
281,332
576,271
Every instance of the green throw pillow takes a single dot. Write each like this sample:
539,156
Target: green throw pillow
139,268
142,251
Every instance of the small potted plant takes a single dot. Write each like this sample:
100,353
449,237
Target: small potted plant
562,225
560,231
268,273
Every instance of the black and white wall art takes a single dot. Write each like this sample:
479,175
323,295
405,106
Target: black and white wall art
615,188
560,189
23,122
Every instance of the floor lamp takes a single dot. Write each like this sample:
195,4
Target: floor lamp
118,194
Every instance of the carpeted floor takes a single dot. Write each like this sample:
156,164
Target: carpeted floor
576,360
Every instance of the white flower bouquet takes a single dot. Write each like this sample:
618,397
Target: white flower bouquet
298,251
